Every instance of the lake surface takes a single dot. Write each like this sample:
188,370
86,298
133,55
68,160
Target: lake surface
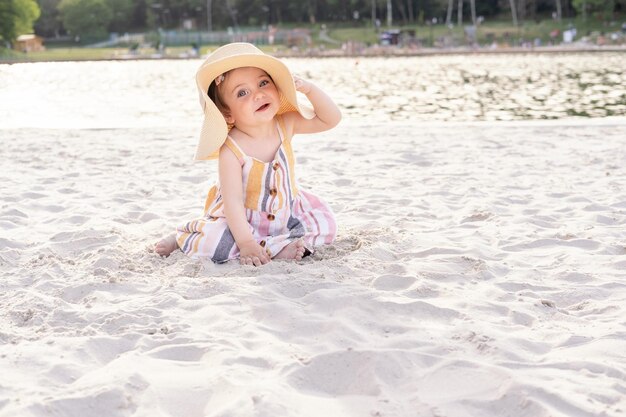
113,94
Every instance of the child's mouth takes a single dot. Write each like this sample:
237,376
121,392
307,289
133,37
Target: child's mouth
263,107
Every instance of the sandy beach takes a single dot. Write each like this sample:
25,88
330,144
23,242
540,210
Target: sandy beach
479,270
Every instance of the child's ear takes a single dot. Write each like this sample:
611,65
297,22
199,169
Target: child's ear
229,118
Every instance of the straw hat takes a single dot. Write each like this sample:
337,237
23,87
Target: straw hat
228,57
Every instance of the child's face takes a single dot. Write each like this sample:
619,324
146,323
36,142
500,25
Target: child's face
250,95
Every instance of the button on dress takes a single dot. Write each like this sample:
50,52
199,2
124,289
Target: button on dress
277,209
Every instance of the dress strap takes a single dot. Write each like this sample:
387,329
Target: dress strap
232,145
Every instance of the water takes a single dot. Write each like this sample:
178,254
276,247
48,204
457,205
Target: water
114,94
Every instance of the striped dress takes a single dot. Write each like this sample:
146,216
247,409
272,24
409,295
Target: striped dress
278,211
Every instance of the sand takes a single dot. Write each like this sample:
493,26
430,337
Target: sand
480,270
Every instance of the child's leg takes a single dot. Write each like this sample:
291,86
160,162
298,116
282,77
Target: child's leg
166,245
287,246
294,250
207,238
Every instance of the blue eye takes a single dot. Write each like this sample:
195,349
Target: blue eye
242,93
263,83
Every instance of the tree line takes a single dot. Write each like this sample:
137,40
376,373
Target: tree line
50,18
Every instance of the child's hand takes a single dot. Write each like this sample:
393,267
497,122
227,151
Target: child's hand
251,253
302,86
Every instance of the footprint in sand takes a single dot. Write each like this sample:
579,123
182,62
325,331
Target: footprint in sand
393,282
341,247
339,373
477,217
184,353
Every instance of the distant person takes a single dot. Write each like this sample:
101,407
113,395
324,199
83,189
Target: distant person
257,211
554,36
195,49
271,34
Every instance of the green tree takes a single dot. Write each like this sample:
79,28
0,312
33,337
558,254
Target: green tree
600,8
49,23
85,17
121,14
17,18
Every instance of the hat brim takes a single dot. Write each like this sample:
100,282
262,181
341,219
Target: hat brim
214,129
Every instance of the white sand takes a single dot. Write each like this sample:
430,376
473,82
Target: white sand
480,270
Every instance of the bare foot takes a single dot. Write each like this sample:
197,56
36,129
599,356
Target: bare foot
166,246
294,250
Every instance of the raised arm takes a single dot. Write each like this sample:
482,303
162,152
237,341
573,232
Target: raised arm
251,253
327,114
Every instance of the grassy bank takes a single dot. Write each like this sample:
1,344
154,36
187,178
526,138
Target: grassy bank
500,32
62,54
88,54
